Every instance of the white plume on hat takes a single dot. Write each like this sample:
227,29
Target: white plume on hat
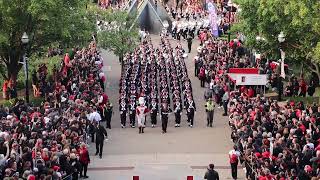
63,99
141,101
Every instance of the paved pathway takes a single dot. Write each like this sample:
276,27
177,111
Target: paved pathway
154,156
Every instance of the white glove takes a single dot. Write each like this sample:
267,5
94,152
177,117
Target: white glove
107,140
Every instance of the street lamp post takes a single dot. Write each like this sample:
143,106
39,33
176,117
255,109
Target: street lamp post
281,39
25,41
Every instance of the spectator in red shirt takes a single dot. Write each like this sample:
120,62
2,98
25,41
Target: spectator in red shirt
303,88
250,92
84,160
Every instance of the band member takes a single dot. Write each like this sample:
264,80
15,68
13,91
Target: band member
189,40
132,113
179,32
123,112
177,112
191,109
141,112
174,30
165,111
154,112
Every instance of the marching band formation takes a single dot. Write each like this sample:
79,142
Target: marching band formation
188,21
184,28
155,81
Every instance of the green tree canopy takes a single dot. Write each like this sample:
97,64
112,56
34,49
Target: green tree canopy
298,19
121,33
45,21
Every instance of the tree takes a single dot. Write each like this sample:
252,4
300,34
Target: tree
119,32
298,19
45,22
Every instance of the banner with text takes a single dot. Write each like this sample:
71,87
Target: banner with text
249,79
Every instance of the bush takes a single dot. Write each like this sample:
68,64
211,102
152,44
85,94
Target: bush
306,100
35,101
34,62
7,103
50,62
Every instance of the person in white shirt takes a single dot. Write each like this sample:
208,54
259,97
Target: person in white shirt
225,100
233,151
309,145
95,116
234,155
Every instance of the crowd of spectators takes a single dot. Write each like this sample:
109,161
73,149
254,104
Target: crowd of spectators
193,14
276,140
49,141
299,87
114,4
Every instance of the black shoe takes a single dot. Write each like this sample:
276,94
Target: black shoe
163,132
85,177
210,125
96,153
224,115
142,130
139,130
100,157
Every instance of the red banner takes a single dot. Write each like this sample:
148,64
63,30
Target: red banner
244,70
